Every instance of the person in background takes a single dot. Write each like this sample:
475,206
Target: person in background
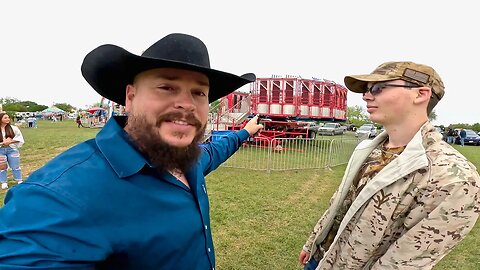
450,136
12,140
35,121
135,196
30,121
79,121
462,135
407,197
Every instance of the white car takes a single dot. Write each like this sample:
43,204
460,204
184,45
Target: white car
367,131
331,129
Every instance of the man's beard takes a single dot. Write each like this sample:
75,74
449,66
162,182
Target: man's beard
163,156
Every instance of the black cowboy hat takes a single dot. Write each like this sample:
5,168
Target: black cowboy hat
109,68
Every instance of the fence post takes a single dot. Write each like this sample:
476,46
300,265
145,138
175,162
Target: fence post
330,155
269,159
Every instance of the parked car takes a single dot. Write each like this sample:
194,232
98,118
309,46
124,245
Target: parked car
350,127
472,138
312,129
367,131
312,126
331,129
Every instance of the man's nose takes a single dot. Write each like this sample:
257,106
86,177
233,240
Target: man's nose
185,101
367,96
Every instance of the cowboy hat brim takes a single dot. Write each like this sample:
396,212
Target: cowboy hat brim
109,69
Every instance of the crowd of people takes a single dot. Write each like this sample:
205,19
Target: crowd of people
135,196
451,135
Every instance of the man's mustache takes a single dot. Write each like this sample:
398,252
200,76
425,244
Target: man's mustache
174,116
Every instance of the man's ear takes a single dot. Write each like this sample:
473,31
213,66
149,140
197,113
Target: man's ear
423,94
130,92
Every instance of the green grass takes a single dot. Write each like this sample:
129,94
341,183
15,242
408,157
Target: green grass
45,142
259,220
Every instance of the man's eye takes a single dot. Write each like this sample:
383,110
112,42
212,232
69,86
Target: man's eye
200,93
166,88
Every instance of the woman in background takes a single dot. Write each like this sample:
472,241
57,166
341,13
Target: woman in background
11,141
79,121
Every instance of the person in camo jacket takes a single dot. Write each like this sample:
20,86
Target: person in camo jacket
407,197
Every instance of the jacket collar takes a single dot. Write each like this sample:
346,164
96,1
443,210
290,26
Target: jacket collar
412,158
120,153
424,137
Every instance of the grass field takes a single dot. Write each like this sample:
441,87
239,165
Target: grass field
259,220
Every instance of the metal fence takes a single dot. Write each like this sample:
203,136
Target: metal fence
291,153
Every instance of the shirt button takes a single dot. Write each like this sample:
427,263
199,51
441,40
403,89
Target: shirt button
208,249
206,227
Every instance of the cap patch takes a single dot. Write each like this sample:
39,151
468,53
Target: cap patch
416,75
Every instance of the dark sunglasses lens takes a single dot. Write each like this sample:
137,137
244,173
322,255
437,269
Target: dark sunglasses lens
376,89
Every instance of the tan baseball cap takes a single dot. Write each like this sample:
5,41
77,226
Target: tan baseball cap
408,71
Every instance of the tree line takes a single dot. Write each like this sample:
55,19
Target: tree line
356,114
14,105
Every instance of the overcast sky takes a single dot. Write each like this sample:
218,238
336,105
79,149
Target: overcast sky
43,43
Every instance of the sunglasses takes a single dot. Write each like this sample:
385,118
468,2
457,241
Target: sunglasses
377,88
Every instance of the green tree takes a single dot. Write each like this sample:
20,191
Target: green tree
214,106
356,116
8,100
31,106
12,104
476,127
38,108
66,107
432,116
14,107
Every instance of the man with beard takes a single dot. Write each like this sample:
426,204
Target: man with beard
134,197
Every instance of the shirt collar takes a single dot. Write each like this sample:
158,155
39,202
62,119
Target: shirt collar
115,145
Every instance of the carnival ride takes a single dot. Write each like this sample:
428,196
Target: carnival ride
288,107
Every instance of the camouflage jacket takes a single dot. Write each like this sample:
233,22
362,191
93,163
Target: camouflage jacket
409,216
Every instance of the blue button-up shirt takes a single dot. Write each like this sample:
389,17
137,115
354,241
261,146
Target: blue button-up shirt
100,205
